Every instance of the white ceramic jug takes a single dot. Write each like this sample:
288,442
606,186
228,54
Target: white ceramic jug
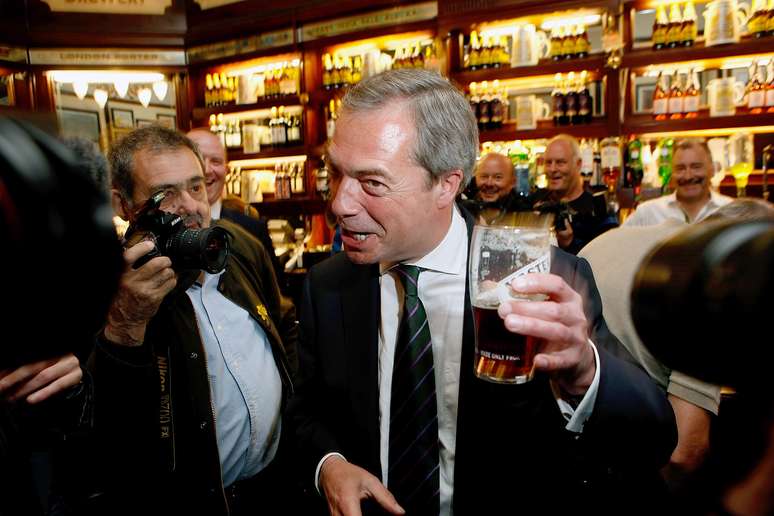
723,95
724,21
529,45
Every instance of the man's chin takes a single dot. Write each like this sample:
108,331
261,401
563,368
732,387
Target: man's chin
360,257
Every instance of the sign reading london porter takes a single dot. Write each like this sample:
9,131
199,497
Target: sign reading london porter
106,57
109,6
382,18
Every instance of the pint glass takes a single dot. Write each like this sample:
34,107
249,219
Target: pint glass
499,254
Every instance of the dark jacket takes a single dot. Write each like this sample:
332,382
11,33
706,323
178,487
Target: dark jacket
512,450
154,415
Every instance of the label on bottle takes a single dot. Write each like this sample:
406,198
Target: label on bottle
584,104
770,97
691,104
659,35
660,106
676,104
571,107
611,157
587,158
756,99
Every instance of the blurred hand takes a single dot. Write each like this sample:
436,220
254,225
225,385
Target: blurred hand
564,237
139,295
345,485
40,380
565,352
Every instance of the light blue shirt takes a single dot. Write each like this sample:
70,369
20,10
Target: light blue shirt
245,386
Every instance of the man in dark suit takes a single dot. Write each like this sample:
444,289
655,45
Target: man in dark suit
590,431
230,208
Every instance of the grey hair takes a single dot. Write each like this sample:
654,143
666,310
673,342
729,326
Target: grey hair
91,158
447,132
154,139
693,143
571,141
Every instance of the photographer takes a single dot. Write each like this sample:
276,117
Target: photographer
48,203
588,216
193,367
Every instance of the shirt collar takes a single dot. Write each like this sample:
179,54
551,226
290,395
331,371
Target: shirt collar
215,209
448,257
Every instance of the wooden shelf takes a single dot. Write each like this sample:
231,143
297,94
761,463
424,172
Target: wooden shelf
642,57
544,67
234,154
305,205
546,129
640,124
200,113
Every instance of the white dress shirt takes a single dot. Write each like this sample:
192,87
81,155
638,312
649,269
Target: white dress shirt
215,209
441,288
655,211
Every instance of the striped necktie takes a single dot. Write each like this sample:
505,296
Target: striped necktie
413,474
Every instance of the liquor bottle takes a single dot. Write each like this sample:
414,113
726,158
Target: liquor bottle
770,19
357,69
584,99
571,100
665,163
691,96
557,97
336,75
660,28
555,44
208,90
610,152
596,175
583,45
634,169
281,127
504,54
475,51
346,71
237,137
676,107
674,32
756,24
660,98
689,29
287,82
229,135
330,122
224,90
327,71
486,52
474,99
216,96
587,163
568,43
214,124
506,104
495,107
221,129
770,87
483,106
756,99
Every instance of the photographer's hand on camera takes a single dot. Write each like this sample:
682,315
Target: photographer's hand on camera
565,352
39,381
139,295
564,236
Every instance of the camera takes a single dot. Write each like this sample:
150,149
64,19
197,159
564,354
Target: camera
701,301
189,249
561,211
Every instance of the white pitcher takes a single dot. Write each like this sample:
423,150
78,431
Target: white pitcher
723,95
529,45
724,21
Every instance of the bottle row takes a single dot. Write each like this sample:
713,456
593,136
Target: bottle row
283,180
571,99
339,71
677,30
246,87
761,21
277,131
679,96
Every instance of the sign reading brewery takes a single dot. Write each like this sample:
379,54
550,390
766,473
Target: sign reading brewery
109,6
233,47
106,56
372,20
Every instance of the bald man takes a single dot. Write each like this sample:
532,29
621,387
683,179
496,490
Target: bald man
588,212
230,208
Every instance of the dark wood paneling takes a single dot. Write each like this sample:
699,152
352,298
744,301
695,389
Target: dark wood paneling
46,28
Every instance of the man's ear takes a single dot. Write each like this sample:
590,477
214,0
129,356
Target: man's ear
449,186
119,205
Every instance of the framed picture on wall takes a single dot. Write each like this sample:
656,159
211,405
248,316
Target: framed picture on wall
167,121
122,118
644,87
77,122
144,123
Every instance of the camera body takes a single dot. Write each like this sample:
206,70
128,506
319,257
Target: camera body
189,249
561,211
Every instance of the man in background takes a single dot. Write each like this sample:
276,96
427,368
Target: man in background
230,207
582,216
692,199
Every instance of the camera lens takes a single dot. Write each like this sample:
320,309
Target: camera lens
204,249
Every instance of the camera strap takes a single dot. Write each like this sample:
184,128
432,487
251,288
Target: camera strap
166,422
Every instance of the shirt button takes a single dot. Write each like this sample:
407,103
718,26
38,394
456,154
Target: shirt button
576,437
203,425
194,355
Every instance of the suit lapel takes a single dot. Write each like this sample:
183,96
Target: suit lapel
360,313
